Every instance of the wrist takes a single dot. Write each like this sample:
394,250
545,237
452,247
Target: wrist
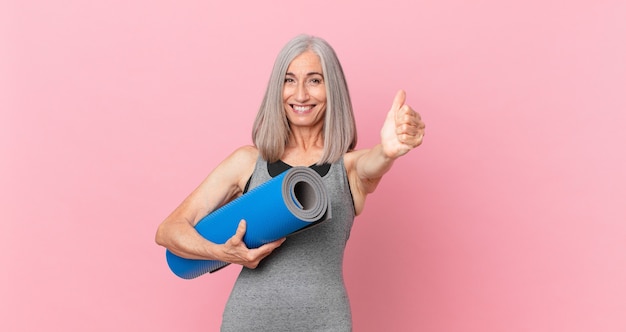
212,251
387,155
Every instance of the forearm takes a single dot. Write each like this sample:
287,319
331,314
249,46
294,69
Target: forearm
183,240
187,243
372,165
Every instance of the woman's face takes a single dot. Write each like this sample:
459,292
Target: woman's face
304,93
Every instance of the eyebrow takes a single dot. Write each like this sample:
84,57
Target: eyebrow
308,74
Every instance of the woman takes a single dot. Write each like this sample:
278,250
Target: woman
305,119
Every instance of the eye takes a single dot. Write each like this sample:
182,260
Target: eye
289,80
315,81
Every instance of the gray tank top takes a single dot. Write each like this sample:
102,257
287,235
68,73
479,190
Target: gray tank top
300,286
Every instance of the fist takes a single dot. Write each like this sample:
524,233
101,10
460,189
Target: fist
403,129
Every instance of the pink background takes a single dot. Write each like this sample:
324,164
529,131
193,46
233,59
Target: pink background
510,217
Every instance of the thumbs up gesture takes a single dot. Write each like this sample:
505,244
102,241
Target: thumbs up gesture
403,129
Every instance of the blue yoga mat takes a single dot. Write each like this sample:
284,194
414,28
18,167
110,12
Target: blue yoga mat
290,202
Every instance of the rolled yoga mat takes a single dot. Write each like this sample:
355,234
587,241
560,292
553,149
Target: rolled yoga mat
290,202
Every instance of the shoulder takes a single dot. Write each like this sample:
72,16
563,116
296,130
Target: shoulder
244,155
240,163
225,182
234,170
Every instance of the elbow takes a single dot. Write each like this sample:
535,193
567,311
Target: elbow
160,237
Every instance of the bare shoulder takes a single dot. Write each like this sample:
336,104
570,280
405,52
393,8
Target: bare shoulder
225,182
245,155
239,165
229,177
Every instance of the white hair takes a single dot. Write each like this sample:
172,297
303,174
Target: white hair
270,132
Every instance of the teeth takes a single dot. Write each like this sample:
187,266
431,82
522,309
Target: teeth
301,108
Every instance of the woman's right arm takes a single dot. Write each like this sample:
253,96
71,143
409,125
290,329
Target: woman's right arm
224,183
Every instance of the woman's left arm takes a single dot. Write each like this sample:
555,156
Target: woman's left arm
402,131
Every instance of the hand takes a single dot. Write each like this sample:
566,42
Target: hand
403,129
235,250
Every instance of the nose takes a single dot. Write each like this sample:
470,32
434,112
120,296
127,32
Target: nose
302,93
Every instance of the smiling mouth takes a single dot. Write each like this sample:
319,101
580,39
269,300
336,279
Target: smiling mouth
302,108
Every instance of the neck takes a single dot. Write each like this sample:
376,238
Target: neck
305,139
305,147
